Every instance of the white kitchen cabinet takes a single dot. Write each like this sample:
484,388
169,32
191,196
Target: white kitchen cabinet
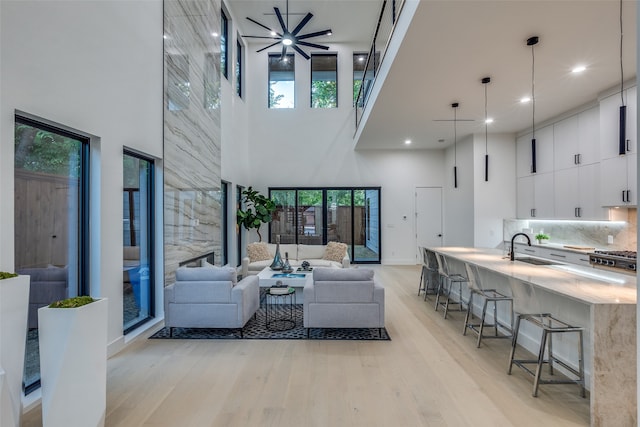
577,193
543,195
544,152
524,201
565,143
609,123
618,181
535,196
589,136
576,140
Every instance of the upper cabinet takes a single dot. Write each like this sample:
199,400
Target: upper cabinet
544,152
618,171
576,140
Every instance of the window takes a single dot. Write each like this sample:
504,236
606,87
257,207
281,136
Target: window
239,68
324,80
315,216
239,228
138,232
359,62
224,203
224,44
281,81
51,221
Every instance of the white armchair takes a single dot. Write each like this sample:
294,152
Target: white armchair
343,298
210,297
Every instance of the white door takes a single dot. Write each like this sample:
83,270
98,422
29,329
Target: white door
428,218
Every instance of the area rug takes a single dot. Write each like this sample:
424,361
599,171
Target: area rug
256,329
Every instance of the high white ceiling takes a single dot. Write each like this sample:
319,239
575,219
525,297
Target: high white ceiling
452,44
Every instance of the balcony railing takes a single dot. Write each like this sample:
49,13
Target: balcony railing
387,19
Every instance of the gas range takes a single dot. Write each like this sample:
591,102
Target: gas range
621,261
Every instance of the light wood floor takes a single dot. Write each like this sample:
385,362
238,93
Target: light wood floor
428,375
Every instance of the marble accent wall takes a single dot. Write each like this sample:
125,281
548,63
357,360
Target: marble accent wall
622,227
192,136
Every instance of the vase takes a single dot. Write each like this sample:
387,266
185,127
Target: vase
14,305
286,268
277,263
73,365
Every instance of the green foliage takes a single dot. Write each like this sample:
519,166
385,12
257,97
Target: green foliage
7,275
274,100
356,89
541,236
258,210
324,94
46,152
72,302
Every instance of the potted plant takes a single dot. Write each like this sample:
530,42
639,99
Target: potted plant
540,237
14,306
258,210
73,362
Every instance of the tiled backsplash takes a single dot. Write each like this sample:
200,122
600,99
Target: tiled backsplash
623,227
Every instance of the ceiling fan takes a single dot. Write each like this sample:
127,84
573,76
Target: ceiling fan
290,38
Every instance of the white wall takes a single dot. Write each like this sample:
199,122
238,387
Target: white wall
314,147
94,66
458,202
494,199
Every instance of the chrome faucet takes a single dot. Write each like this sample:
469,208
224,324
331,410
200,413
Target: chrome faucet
513,238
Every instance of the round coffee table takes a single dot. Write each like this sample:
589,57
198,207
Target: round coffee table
279,309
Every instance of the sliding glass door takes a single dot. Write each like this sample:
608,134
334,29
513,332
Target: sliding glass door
315,216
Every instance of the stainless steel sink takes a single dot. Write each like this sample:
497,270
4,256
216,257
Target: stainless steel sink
536,261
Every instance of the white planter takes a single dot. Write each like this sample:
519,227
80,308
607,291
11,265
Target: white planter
14,305
73,365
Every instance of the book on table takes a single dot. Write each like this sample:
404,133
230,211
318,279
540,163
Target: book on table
280,290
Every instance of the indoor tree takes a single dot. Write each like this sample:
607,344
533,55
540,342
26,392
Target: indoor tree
257,210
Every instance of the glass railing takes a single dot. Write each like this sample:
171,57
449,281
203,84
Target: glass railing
388,17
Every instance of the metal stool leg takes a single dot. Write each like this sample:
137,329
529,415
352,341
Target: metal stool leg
536,380
420,287
495,318
514,342
581,364
550,347
481,328
469,316
439,291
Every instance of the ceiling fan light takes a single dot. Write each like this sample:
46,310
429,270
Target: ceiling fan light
286,40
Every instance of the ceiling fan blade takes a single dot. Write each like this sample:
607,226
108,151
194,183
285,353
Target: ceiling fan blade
261,37
317,33
257,23
302,23
317,46
280,20
271,45
301,52
284,52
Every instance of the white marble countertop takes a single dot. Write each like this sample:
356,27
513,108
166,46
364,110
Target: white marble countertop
585,284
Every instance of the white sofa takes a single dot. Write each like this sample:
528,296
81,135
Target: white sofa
297,253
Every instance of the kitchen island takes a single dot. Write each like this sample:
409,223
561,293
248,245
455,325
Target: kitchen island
602,302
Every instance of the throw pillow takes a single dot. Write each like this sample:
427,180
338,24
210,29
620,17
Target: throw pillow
335,251
258,251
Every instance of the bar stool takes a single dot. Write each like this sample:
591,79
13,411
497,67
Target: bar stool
450,278
489,296
429,270
549,325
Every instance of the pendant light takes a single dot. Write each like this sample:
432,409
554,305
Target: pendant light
485,82
455,145
622,142
532,41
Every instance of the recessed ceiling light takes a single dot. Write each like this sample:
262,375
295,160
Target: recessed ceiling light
165,37
407,141
214,34
525,99
273,33
579,69
361,58
489,120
